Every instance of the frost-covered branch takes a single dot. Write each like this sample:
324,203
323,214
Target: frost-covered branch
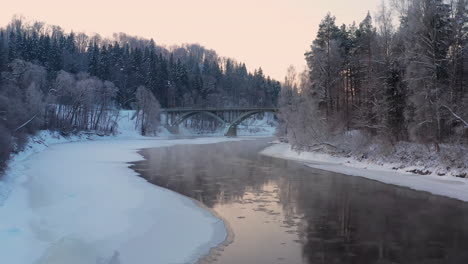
26,123
456,116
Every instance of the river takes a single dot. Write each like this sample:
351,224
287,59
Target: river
281,211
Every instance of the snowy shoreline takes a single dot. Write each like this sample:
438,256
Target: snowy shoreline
79,202
447,186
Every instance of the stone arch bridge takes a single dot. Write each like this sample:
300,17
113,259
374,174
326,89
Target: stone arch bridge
228,117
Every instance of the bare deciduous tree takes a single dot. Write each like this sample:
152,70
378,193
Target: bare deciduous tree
147,111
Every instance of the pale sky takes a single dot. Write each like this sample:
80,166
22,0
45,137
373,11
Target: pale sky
272,34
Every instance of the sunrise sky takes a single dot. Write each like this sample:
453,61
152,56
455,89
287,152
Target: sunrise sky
272,34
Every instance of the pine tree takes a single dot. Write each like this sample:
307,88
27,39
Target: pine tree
93,59
3,51
325,61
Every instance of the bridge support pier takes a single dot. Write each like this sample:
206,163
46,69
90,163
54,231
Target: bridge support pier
173,129
232,131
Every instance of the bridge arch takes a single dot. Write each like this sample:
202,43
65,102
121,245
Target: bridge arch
187,115
232,128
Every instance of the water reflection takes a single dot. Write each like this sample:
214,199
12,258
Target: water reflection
284,212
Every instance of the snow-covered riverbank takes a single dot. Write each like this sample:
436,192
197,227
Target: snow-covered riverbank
448,186
80,203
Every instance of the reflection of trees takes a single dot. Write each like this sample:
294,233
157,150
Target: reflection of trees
351,220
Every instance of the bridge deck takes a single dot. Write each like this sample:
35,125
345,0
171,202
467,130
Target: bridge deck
219,109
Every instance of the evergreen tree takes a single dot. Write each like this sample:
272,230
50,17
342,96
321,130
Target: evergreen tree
325,62
3,51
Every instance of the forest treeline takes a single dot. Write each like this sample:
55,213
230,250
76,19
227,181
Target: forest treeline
386,81
181,76
74,82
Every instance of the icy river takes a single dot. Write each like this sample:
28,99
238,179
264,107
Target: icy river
281,211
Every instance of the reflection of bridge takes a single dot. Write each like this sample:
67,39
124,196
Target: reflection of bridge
228,117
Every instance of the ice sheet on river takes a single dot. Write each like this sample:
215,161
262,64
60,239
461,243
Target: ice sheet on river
80,203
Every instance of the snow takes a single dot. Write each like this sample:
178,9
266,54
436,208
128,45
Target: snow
448,186
256,130
80,203
126,127
258,127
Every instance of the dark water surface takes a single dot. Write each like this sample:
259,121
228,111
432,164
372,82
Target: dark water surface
283,212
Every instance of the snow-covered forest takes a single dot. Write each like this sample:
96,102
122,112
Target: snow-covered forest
51,79
373,88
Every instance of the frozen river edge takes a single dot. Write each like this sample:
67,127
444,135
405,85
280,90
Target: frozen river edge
80,203
447,186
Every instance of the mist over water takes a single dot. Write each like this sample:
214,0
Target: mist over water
283,212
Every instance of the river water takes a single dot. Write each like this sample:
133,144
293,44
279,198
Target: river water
283,212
